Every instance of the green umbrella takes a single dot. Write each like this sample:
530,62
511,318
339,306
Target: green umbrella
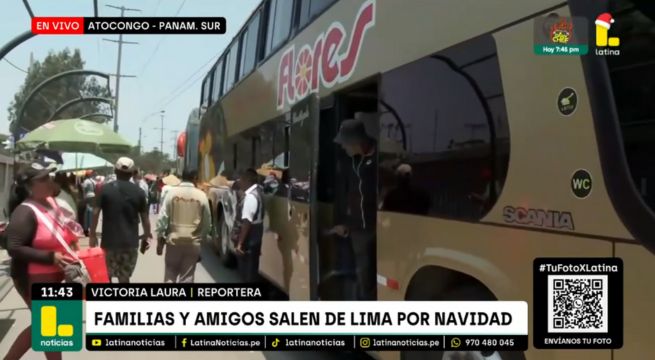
75,135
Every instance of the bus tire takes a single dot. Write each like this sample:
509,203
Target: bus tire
225,254
462,293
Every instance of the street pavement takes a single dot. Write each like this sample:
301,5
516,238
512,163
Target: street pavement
15,316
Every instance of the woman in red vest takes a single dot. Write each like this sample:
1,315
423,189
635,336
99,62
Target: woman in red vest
37,256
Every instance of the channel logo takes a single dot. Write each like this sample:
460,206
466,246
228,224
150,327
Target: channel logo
57,325
605,42
49,326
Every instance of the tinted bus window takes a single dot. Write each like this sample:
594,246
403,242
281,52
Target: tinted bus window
249,46
205,90
300,161
279,23
191,152
633,80
267,138
229,77
244,153
218,80
437,156
310,9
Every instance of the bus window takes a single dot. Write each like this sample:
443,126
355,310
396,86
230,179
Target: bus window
309,9
633,80
280,14
300,162
244,153
437,154
249,46
229,75
205,91
218,77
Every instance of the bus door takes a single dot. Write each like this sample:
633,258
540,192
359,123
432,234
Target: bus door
293,220
339,189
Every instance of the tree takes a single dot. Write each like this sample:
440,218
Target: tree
53,95
153,161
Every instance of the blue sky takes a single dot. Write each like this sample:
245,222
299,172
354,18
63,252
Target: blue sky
163,64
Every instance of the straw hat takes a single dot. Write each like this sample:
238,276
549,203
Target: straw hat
219,181
171,180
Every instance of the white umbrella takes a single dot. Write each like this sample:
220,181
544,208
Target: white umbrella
77,161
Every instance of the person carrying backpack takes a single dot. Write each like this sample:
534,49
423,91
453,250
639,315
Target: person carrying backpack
249,241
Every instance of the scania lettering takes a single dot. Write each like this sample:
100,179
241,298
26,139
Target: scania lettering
538,217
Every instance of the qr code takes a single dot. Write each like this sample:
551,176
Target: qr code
577,304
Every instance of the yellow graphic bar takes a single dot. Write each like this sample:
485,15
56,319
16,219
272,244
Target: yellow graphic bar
65,330
48,321
601,36
613,41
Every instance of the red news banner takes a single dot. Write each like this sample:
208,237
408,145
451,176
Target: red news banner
131,25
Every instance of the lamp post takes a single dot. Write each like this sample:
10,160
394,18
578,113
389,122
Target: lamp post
161,147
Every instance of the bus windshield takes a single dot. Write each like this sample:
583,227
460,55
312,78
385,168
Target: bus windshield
633,80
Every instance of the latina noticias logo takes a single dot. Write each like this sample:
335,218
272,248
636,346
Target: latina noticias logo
605,42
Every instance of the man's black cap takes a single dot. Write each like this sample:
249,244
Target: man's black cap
36,170
351,132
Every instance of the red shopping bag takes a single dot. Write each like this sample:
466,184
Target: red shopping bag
94,261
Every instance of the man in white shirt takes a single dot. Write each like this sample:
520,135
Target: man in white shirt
138,180
249,243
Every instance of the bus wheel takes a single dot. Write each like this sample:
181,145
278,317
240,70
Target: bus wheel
461,293
223,245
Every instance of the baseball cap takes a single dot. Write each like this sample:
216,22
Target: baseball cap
125,164
36,170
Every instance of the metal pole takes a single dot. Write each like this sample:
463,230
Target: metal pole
28,8
19,115
161,147
139,141
118,72
15,42
118,65
70,103
174,153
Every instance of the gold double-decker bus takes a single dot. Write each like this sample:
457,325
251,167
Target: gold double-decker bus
512,155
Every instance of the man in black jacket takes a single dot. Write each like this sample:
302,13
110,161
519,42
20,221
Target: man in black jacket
362,203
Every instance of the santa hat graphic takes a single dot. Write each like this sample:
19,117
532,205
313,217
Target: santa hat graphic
605,20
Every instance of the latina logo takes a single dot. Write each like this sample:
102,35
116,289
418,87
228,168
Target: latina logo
301,73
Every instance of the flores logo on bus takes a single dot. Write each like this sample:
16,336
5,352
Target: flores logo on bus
560,220
300,73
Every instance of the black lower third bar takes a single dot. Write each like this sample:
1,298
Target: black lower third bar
303,343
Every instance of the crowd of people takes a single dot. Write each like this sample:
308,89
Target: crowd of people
51,211
126,199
